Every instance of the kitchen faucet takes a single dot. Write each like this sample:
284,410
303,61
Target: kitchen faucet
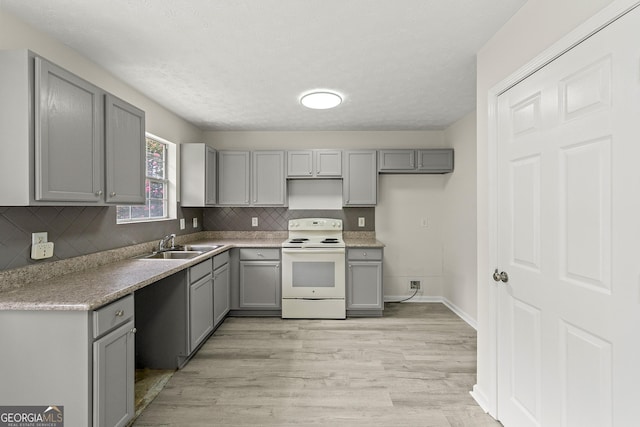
162,246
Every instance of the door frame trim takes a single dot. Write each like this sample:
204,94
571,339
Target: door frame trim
488,398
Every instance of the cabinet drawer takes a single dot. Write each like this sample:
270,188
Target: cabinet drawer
259,254
365,254
113,315
198,271
220,260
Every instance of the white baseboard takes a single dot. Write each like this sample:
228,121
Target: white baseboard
480,398
424,299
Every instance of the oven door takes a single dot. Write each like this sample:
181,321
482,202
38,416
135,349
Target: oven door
313,273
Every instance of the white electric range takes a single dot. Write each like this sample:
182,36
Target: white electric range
313,270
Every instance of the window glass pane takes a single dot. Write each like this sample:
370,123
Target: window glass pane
139,212
156,190
156,208
155,159
123,212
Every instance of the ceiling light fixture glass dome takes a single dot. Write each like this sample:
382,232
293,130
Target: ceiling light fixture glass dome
321,100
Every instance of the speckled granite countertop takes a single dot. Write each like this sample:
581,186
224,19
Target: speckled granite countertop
91,288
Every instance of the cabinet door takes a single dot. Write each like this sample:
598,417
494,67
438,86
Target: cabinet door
260,284
114,377
402,160
300,163
68,136
364,285
125,150
360,183
435,160
221,294
200,311
268,181
329,163
210,176
233,178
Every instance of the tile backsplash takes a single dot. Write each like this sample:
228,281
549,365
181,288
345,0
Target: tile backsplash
77,231
276,219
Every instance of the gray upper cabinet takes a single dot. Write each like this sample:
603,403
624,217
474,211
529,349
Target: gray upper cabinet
68,136
198,177
437,160
125,152
233,178
268,185
68,141
314,164
360,183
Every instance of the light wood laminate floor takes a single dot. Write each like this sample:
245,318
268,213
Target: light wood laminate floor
413,367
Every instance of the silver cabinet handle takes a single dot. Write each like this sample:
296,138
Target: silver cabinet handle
133,330
119,313
99,193
112,194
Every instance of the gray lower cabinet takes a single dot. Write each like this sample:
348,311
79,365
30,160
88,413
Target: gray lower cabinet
364,282
260,279
221,288
81,360
435,160
114,377
200,310
360,182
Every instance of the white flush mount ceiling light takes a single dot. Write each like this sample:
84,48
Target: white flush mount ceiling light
321,100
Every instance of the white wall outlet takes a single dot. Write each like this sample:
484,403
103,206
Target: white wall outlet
195,222
424,222
360,221
40,237
182,225
42,250
254,221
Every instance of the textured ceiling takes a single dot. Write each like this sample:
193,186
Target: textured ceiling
243,64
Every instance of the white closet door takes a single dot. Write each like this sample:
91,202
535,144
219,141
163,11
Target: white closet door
569,237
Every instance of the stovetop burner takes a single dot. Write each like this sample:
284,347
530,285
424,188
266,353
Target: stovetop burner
315,233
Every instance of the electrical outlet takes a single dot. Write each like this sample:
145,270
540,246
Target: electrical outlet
414,284
182,225
195,222
41,237
254,221
360,221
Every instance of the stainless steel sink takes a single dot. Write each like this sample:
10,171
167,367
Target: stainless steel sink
202,248
172,255
189,251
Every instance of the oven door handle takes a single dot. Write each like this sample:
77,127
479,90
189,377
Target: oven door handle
312,250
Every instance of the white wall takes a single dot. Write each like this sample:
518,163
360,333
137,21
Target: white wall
459,222
412,251
15,34
536,26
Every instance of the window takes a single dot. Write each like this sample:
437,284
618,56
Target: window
156,205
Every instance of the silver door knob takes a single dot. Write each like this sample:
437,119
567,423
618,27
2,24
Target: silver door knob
99,193
119,313
500,277
133,330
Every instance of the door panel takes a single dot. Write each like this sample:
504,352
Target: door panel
568,237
